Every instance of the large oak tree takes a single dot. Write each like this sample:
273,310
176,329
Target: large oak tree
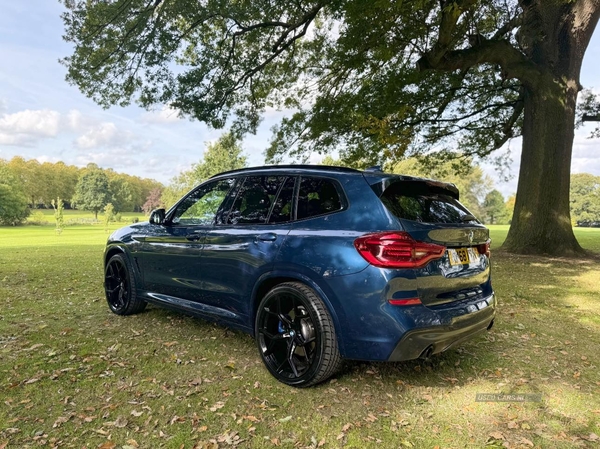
375,80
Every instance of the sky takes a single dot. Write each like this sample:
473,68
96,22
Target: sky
43,117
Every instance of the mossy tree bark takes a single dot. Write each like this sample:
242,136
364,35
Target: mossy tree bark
541,221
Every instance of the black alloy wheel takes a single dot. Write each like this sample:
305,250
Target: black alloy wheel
296,336
120,287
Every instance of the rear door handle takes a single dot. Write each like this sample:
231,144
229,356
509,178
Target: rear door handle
267,237
192,237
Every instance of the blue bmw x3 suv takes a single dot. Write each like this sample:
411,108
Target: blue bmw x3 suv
318,263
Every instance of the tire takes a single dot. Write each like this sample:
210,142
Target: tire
120,286
295,336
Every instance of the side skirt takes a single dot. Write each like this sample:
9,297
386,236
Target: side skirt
204,311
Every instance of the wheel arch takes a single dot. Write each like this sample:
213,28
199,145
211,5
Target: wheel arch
269,280
111,251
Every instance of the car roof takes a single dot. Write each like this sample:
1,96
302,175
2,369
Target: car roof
373,175
291,168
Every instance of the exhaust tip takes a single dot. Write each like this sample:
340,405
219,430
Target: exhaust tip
427,353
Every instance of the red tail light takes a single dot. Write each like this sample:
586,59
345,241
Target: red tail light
405,302
484,248
397,250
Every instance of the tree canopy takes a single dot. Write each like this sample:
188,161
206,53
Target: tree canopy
372,80
494,207
13,199
43,183
585,198
92,191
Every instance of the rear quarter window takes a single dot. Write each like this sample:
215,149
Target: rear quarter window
420,202
317,196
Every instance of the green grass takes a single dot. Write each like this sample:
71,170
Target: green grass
74,375
74,217
589,238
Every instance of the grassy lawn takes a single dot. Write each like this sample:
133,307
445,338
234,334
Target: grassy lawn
74,375
74,217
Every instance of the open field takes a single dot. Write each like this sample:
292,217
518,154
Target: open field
74,375
73,217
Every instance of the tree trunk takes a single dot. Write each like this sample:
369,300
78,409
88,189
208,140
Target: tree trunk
542,221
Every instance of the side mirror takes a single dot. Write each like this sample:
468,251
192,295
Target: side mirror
157,216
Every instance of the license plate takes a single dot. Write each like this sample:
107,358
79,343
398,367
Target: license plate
462,256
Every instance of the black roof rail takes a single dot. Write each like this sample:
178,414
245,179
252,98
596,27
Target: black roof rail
291,167
374,168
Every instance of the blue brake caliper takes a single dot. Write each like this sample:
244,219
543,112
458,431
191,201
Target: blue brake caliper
280,327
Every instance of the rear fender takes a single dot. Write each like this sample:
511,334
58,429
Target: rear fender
298,275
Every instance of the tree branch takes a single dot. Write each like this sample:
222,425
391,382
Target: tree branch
513,63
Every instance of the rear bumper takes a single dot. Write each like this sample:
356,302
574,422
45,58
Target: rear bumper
432,340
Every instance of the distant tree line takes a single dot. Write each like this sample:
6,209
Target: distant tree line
29,184
585,199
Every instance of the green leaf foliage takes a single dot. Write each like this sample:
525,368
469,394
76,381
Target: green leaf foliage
92,192
351,70
13,199
495,208
585,198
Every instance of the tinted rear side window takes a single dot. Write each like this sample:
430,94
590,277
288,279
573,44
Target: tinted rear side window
417,201
254,200
317,196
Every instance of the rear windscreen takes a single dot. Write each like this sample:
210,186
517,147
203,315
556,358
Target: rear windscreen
420,202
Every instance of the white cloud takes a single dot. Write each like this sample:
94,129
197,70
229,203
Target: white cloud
105,134
28,126
166,115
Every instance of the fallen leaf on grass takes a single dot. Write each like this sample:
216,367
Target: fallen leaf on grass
108,445
497,435
217,406
371,418
591,437
527,442
286,419
60,420
120,422
176,419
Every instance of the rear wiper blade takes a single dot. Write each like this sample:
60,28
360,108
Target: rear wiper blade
468,217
